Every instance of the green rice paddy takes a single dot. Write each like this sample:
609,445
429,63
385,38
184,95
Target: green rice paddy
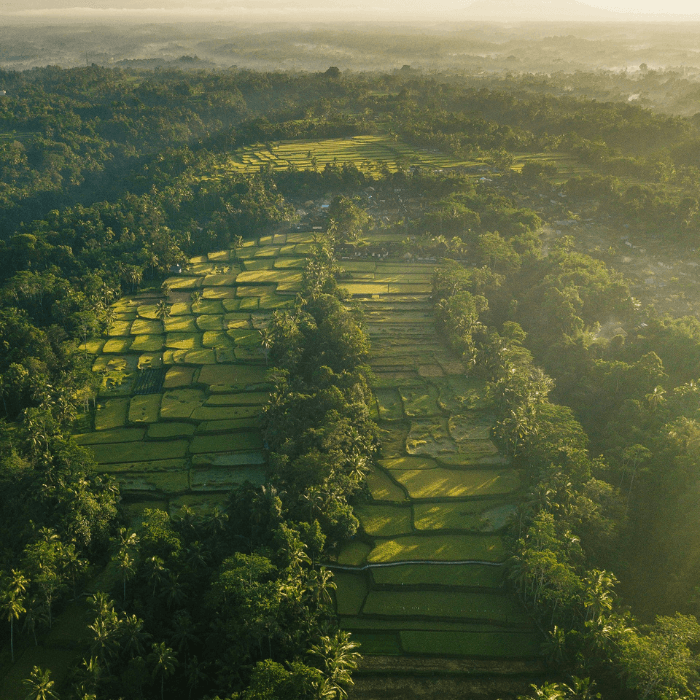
452,605
192,426
452,575
429,564
486,548
448,483
440,493
351,592
385,520
367,153
491,644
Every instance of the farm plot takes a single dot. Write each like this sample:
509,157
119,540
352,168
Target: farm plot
452,605
430,545
178,409
486,644
448,483
367,153
479,516
486,548
447,575
439,497
384,520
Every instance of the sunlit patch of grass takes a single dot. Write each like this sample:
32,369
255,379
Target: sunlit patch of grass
471,575
448,483
384,520
382,488
439,548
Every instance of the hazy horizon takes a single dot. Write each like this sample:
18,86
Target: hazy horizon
402,11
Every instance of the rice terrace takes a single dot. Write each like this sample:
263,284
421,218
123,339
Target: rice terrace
426,574
367,153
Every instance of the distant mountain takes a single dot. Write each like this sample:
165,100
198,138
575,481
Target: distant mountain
537,11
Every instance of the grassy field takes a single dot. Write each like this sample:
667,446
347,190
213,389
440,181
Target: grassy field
385,520
451,605
471,575
440,493
191,430
488,644
487,548
449,483
368,153
196,433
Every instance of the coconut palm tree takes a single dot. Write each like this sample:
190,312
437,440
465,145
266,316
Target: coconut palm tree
337,659
133,636
164,663
126,565
195,299
196,673
265,343
36,614
40,685
12,606
162,311
156,571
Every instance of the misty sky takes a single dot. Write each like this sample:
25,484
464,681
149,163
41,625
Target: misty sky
356,10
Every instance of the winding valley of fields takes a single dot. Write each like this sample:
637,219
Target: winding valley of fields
178,423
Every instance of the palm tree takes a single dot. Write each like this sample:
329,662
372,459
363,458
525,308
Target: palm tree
162,311
72,564
126,566
632,458
156,571
104,633
216,522
89,676
582,689
196,557
133,636
132,275
164,663
40,685
337,658
195,674
175,592
127,540
195,299
110,315
36,613
102,605
656,397
183,632
320,585
125,561
554,648
549,691
265,343
598,596
12,606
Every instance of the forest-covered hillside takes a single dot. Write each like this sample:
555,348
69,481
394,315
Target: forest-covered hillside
277,348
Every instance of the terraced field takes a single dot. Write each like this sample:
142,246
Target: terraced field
178,410
178,422
368,153
425,576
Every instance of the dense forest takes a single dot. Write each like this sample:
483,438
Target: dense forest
111,178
